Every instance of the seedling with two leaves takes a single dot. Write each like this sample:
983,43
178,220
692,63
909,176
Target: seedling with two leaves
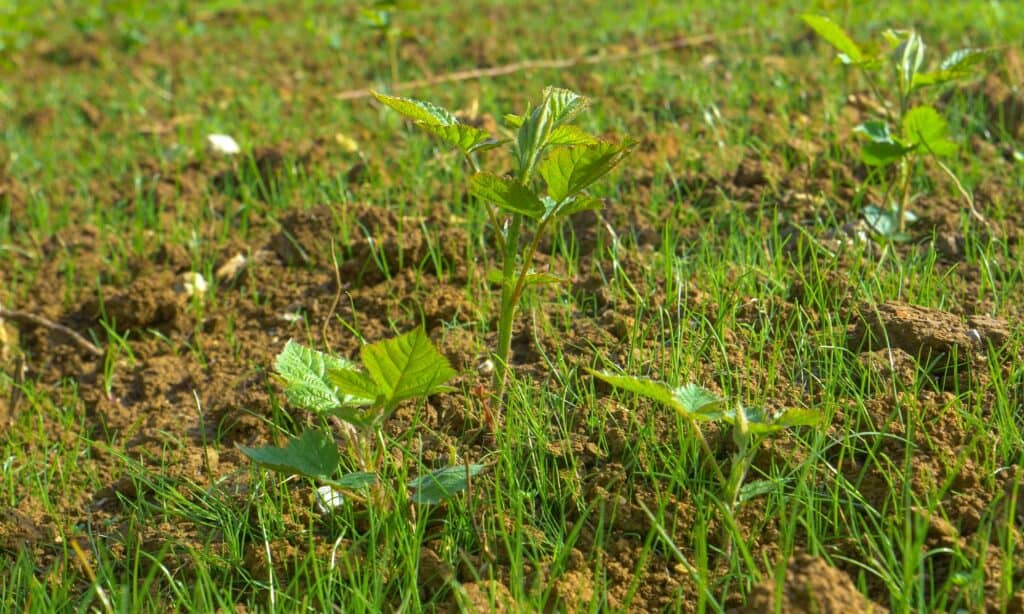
904,132
697,405
393,370
547,149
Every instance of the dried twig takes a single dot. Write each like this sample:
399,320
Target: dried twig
508,69
31,319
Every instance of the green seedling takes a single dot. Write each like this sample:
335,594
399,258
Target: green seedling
547,149
904,132
697,405
393,370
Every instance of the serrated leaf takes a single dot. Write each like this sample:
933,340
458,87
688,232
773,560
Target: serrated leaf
424,113
569,170
962,59
406,366
562,105
849,52
700,402
924,126
354,384
442,484
312,454
569,134
304,371
467,138
645,387
507,194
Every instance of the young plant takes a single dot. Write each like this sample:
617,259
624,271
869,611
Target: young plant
919,129
697,404
392,371
549,150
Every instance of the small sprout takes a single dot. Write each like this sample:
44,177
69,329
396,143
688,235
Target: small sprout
222,144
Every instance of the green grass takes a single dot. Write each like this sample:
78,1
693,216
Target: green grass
696,286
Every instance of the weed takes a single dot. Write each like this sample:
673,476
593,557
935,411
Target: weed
546,144
920,129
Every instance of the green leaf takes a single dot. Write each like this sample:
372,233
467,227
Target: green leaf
963,59
355,384
514,120
313,454
699,402
642,386
793,416
756,488
357,480
465,137
569,170
886,222
881,154
924,126
876,130
908,56
882,147
507,194
760,422
849,52
424,113
569,134
440,485
562,105
957,65
304,371
406,366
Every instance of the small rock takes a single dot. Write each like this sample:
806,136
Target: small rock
222,144
190,284
327,499
229,271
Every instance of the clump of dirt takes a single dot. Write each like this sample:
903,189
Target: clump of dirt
941,342
811,586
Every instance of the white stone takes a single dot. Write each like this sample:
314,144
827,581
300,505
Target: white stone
223,144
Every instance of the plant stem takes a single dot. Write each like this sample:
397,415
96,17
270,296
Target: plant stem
508,305
904,187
